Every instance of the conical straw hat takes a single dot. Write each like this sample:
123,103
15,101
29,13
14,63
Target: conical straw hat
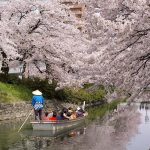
37,92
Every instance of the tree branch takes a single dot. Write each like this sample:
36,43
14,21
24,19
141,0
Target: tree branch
34,27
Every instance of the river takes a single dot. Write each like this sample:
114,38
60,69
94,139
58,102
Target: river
128,129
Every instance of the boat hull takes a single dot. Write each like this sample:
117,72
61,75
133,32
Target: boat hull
57,125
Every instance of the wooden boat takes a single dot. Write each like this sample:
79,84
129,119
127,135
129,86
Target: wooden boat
57,125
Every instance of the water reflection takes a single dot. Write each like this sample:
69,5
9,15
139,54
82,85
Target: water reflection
55,134
146,117
41,140
112,133
145,106
141,140
35,140
8,134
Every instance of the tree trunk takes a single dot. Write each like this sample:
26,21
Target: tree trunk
24,74
5,66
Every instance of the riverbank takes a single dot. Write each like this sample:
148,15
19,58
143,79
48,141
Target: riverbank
15,97
10,111
10,93
15,100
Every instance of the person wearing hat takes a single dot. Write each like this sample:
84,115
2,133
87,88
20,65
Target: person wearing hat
80,112
37,103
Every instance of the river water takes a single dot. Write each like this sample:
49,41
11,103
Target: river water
128,129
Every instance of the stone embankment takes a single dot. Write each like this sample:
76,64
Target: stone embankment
14,110
22,109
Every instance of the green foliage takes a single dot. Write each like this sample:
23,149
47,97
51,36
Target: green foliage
43,85
113,104
13,93
10,78
80,94
110,89
87,85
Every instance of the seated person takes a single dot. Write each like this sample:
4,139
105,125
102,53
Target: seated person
59,116
70,109
65,114
45,117
54,117
80,112
50,114
73,115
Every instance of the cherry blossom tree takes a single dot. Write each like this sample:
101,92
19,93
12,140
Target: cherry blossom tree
119,52
45,36
114,48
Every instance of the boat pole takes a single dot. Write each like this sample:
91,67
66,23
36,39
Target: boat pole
25,120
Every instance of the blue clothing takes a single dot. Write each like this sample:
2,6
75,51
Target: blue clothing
59,118
37,99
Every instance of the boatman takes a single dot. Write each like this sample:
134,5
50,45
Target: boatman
37,103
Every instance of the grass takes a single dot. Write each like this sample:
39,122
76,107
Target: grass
13,93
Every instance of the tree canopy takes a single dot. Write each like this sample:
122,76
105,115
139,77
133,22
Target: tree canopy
120,31
42,34
114,49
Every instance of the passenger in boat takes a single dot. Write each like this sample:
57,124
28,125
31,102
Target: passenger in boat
45,117
60,115
70,109
73,115
80,112
50,114
69,112
37,103
65,114
54,117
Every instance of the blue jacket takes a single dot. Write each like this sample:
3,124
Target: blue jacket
37,99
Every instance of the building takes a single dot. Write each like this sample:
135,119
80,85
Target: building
78,9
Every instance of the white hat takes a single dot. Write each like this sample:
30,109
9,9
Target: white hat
37,92
78,108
